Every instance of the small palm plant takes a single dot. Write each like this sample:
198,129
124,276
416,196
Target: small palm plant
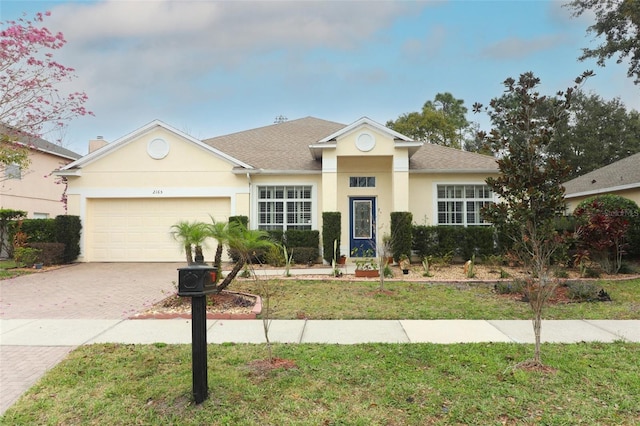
220,232
190,235
245,242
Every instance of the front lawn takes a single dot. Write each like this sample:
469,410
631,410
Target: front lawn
373,384
343,299
10,269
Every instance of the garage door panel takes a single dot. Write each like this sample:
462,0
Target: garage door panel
139,229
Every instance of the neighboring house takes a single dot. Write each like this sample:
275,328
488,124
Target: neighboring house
34,189
620,178
129,192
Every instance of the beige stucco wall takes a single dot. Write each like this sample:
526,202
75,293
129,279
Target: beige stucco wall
422,187
632,194
379,162
186,165
188,172
129,172
37,191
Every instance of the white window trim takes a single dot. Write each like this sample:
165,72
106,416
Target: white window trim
255,196
434,206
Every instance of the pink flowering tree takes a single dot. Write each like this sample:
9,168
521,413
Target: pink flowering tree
32,102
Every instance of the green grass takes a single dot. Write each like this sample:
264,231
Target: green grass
8,269
336,299
373,384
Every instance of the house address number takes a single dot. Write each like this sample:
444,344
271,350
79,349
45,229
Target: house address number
157,192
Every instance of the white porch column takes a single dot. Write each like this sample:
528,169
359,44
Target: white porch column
401,181
329,182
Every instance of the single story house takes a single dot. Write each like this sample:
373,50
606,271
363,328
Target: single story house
129,192
34,189
620,178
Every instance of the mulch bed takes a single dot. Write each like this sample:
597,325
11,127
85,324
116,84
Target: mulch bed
224,305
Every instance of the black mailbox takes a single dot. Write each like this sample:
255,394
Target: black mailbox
196,280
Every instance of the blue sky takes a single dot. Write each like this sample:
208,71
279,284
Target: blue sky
210,68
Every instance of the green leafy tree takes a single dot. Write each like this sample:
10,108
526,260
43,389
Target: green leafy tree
596,133
530,183
619,22
441,121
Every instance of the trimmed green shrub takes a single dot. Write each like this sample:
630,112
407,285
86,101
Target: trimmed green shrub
425,240
302,238
478,241
304,255
25,256
331,229
68,233
454,240
401,234
49,253
276,235
37,230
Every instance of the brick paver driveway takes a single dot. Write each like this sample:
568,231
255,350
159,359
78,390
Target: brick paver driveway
81,291
87,290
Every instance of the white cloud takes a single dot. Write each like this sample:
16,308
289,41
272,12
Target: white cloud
516,47
123,49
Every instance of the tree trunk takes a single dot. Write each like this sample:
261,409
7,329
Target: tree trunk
227,280
188,253
537,327
199,256
217,261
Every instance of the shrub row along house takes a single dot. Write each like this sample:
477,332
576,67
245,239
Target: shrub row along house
129,192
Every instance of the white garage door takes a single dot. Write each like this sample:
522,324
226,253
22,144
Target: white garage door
134,230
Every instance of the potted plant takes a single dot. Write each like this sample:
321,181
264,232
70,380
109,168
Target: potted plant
366,266
404,263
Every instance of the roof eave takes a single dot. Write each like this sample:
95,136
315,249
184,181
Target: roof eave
603,190
275,172
454,171
67,173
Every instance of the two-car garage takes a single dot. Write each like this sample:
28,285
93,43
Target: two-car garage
139,229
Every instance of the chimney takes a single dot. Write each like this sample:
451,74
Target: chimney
96,144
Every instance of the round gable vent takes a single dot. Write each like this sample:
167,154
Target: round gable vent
365,142
158,149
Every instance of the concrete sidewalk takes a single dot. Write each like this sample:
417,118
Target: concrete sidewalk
75,332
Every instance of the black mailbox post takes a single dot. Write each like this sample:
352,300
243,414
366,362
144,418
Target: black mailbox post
196,282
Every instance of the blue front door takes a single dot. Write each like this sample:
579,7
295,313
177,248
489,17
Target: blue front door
362,230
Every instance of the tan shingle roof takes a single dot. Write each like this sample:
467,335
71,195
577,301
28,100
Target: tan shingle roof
433,158
622,174
285,146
